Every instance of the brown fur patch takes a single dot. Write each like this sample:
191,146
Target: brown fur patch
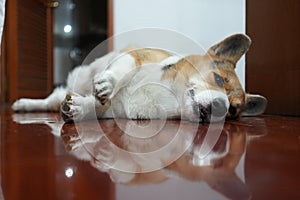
148,55
186,67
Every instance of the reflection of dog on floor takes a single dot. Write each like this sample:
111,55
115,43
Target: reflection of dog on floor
153,160
146,83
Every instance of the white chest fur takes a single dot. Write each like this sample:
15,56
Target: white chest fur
143,95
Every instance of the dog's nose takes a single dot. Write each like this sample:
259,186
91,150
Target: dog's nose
218,107
232,110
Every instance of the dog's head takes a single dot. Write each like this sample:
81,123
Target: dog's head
212,88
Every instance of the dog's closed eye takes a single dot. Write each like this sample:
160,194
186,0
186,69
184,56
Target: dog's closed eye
219,80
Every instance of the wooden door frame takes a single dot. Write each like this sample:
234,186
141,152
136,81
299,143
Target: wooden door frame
9,58
9,51
110,24
50,44
3,78
273,65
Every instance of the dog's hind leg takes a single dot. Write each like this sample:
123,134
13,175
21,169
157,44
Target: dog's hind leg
51,103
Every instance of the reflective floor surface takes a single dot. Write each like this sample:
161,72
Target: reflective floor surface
249,158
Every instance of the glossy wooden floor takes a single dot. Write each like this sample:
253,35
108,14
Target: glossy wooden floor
252,158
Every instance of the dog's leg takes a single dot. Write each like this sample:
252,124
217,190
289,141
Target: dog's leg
77,108
51,103
104,83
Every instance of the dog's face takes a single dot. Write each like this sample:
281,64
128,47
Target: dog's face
225,55
204,93
213,90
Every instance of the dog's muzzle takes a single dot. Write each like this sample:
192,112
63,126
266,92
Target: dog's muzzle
210,106
216,109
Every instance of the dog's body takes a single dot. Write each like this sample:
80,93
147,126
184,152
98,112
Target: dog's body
154,84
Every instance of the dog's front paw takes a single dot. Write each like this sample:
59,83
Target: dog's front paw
103,86
71,108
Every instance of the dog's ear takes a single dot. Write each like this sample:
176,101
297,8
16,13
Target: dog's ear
255,105
232,48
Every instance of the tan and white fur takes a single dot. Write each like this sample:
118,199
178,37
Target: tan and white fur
147,83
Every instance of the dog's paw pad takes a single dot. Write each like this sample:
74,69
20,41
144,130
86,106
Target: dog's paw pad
103,87
102,91
71,109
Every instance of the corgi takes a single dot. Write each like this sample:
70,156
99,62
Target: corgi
149,83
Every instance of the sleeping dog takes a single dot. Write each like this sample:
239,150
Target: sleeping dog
148,83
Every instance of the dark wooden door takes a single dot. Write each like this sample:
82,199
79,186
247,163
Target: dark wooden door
28,48
273,62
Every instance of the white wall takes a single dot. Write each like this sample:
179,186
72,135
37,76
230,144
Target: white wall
205,21
2,15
